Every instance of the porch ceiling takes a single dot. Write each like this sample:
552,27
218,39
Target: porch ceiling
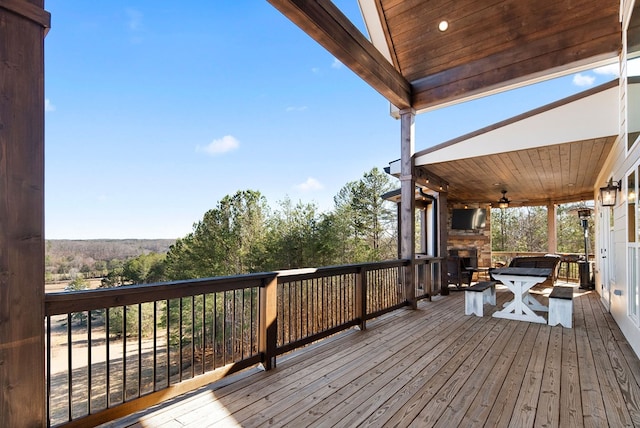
490,45
559,173
550,154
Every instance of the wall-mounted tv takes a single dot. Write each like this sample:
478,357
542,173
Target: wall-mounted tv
468,219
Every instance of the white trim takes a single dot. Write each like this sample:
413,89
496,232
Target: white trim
590,117
374,27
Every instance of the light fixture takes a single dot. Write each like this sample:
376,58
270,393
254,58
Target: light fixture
443,26
608,194
584,213
584,268
503,202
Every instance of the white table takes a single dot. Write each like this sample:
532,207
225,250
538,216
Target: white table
519,281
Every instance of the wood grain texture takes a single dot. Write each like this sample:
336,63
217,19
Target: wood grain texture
433,366
22,388
534,176
489,44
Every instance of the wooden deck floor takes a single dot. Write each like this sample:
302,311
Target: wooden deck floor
433,367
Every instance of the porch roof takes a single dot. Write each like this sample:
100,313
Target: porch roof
552,154
489,45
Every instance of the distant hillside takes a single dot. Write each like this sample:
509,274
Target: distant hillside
94,257
105,249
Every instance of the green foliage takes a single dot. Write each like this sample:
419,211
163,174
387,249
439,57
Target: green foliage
241,235
227,241
525,229
134,314
78,283
369,221
143,269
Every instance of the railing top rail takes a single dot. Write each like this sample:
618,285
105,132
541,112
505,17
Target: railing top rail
311,273
85,300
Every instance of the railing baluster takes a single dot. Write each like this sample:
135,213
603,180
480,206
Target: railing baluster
69,365
234,338
242,324
108,357
224,329
215,323
252,323
89,347
180,334
193,335
124,354
168,365
139,349
48,362
155,346
203,337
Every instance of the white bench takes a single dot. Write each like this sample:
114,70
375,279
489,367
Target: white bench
477,295
561,306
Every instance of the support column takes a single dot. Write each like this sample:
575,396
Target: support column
408,201
443,216
22,375
552,229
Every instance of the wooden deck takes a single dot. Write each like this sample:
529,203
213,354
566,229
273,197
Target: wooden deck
433,367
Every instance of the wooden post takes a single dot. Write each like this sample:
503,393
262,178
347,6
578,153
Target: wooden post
552,230
361,298
22,373
268,322
408,201
443,215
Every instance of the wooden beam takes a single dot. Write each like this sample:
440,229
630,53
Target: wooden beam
430,180
509,69
28,10
327,25
22,379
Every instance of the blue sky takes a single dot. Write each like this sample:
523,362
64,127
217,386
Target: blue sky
157,110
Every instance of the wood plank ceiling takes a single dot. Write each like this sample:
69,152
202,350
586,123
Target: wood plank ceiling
490,45
536,176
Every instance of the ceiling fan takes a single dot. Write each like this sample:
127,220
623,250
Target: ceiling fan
503,202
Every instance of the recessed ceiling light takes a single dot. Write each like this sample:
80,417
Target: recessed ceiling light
443,25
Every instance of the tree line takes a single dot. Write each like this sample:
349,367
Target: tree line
242,234
525,229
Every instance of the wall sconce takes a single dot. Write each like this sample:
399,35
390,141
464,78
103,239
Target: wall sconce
608,194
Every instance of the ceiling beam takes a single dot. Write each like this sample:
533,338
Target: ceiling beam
328,26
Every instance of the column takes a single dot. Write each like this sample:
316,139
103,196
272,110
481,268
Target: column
22,374
552,229
408,201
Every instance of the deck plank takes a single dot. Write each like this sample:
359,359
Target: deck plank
477,415
432,367
311,402
593,412
624,382
548,409
468,394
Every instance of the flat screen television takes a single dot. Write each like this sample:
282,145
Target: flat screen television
468,219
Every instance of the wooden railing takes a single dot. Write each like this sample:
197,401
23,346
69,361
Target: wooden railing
114,351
